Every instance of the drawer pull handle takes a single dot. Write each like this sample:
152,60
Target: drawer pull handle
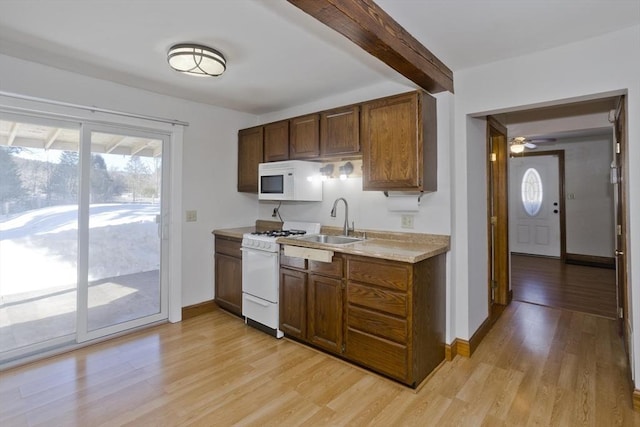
256,301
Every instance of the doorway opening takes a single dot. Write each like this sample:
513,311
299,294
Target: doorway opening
573,277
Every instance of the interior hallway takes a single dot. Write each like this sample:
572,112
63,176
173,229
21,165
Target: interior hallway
550,282
538,365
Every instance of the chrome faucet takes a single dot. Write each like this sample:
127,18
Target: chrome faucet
345,228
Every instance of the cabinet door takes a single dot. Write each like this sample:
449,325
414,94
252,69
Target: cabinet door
276,141
324,302
228,284
250,154
340,131
304,137
293,303
391,144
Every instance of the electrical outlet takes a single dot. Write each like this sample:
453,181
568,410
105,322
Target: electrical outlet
192,216
406,221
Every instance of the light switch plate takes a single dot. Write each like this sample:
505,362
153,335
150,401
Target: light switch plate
192,216
406,221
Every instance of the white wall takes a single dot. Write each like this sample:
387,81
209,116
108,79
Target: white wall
605,65
209,155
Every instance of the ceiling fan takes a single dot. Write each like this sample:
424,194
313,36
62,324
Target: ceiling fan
519,143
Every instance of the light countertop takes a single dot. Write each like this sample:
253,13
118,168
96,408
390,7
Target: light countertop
395,246
404,247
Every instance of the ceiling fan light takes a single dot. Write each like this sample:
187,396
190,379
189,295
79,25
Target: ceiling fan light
196,60
516,148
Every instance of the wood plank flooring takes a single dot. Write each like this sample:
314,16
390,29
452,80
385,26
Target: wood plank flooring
537,366
550,282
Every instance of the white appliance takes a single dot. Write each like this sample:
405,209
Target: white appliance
295,180
261,275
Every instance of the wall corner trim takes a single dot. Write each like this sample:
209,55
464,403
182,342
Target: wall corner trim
466,348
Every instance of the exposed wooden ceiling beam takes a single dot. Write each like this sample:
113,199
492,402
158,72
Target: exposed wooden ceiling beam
367,25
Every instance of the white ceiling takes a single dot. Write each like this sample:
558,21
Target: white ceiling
278,56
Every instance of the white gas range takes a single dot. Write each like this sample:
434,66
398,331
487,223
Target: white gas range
261,274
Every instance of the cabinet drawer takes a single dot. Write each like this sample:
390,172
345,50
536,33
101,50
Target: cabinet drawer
228,247
378,324
377,299
382,355
333,268
383,273
293,262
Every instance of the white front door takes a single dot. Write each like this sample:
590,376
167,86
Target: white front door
534,205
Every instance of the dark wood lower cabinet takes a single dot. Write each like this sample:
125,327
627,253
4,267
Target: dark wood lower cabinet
395,316
293,303
324,308
228,274
311,295
385,315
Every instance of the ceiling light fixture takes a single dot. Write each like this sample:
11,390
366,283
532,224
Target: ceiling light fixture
516,147
196,60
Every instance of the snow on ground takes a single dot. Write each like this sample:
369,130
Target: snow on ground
38,248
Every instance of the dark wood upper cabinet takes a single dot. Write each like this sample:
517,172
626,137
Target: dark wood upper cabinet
399,143
276,141
304,137
340,131
250,154
396,137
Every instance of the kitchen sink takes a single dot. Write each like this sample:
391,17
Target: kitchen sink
330,239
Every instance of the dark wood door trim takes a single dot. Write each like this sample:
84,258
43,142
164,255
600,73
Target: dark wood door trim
368,26
497,217
561,195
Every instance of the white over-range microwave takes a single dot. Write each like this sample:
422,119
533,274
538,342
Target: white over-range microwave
295,180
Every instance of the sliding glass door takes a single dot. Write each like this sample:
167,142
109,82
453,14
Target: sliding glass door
81,235
38,234
124,239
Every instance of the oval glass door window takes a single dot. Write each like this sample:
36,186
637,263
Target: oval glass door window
531,192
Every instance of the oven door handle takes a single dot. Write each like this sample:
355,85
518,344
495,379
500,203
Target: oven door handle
255,300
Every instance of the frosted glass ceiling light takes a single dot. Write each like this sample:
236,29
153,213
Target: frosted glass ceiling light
517,148
196,60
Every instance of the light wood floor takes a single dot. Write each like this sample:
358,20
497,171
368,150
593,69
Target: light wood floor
537,366
551,282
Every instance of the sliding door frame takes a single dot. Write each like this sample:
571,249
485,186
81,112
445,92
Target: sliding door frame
83,332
